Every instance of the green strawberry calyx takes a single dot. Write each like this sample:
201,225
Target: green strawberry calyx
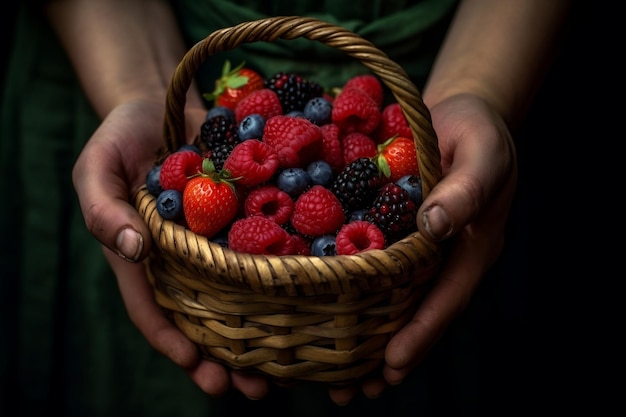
209,171
230,78
380,160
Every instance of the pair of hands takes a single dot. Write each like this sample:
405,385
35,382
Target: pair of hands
479,181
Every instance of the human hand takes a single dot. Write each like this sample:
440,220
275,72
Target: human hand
479,181
108,173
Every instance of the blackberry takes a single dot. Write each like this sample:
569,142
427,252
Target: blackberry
219,130
220,153
393,212
357,184
293,90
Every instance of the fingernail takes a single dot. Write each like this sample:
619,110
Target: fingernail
437,222
129,244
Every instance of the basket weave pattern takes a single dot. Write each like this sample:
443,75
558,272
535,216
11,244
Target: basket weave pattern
292,318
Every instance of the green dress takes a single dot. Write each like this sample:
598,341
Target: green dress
67,344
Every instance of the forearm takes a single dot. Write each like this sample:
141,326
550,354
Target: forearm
498,50
122,50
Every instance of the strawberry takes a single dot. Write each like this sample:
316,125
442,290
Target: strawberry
234,85
397,157
209,201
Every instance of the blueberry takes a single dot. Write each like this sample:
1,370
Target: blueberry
251,127
153,182
296,113
413,185
190,147
170,204
357,215
220,111
320,172
221,239
324,246
293,181
318,110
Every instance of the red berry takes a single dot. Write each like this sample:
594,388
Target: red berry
233,85
259,235
317,212
252,162
358,236
264,102
271,202
177,168
301,245
369,84
392,123
331,147
297,140
355,111
397,157
358,145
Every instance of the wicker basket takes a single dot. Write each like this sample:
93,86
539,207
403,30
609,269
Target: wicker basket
292,318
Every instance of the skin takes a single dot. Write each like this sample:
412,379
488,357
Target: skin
488,70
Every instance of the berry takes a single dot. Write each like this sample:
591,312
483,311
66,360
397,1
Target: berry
233,85
359,236
317,212
259,235
220,153
357,215
413,185
397,157
331,147
190,147
297,141
318,110
355,111
252,162
320,173
358,145
357,184
324,246
153,183
271,202
251,127
393,212
293,90
226,112
176,169
392,123
209,201
301,245
293,181
217,131
264,102
369,84
169,204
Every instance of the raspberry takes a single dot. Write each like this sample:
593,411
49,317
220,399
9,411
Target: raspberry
264,102
271,202
252,162
297,141
259,235
317,212
392,123
370,85
301,245
355,111
331,147
177,168
357,145
358,236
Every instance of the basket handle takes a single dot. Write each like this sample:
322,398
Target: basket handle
291,27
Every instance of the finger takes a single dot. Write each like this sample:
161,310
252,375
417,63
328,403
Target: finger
343,396
147,315
211,377
449,296
373,387
253,386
